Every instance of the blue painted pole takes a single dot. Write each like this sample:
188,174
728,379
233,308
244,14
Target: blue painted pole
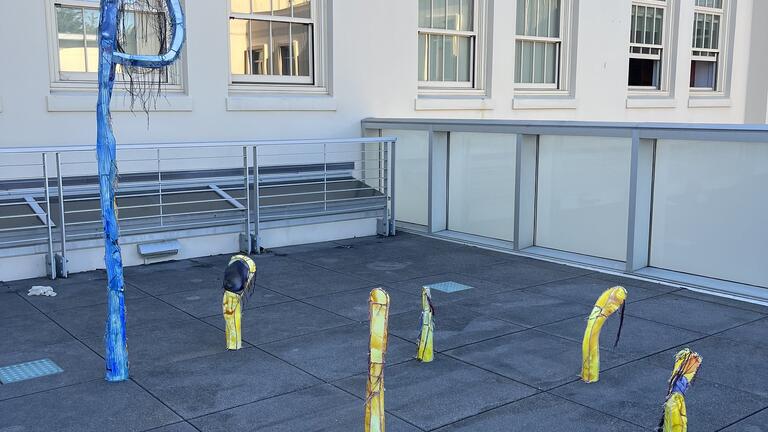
115,338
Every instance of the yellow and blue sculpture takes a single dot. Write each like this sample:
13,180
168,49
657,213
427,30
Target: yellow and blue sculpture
111,55
608,303
378,314
675,418
238,284
425,352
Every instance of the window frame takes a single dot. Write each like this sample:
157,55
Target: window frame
61,80
667,49
478,55
722,51
564,58
317,82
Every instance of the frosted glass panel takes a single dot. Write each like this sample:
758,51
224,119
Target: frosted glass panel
709,209
481,184
411,175
583,195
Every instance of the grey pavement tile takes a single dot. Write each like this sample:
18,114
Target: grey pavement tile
98,277
88,322
283,320
523,273
92,406
755,333
337,353
542,412
354,304
639,337
531,357
173,277
200,386
79,364
755,423
526,309
301,280
13,304
763,309
480,288
454,326
30,331
587,289
176,427
206,302
80,289
430,395
691,314
158,345
725,361
321,408
636,392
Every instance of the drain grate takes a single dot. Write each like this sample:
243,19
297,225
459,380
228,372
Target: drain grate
448,286
28,370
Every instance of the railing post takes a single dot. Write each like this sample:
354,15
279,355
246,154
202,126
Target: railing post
526,161
62,223
391,148
256,218
159,186
246,189
325,178
640,202
51,258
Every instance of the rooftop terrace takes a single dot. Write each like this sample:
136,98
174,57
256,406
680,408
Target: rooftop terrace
509,348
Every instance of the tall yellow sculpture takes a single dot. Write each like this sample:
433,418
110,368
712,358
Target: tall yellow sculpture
425,351
238,284
378,314
675,418
608,303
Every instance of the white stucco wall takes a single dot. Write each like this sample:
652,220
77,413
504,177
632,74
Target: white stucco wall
374,53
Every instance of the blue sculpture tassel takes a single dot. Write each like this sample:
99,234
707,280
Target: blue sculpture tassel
115,338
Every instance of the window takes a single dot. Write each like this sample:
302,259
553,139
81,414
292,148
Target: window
647,44
539,43
706,55
76,40
447,43
273,41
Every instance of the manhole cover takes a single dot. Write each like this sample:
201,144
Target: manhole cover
448,286
28,370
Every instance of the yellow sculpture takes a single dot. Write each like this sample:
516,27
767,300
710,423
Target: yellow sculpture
608,303
378,314
425,352
238,283
675,418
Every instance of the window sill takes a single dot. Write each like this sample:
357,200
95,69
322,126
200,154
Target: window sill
121,102
650,102
543,102
281,103
709,102
453,103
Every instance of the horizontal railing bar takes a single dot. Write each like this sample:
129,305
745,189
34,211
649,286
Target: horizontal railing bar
164,204
321,213
157,216
318,202
165,226
23,228
316,182
198,144
23,241
321,191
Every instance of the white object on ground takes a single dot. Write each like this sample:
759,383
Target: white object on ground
38,290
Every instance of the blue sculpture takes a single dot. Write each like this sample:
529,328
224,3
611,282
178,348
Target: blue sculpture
109,56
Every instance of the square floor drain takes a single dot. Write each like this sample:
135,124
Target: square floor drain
28,370
448,287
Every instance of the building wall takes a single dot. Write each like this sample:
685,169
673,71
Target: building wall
374,58
757,97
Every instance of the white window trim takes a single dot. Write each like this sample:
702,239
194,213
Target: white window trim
724,60
668,51
87,81
566,57
480,52
319,81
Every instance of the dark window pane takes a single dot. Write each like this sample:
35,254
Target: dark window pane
643,72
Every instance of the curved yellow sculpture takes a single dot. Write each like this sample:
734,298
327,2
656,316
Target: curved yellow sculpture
687,364
608,303
378,314
238,283
425,352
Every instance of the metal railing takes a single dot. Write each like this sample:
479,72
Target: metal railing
49,196
678,203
